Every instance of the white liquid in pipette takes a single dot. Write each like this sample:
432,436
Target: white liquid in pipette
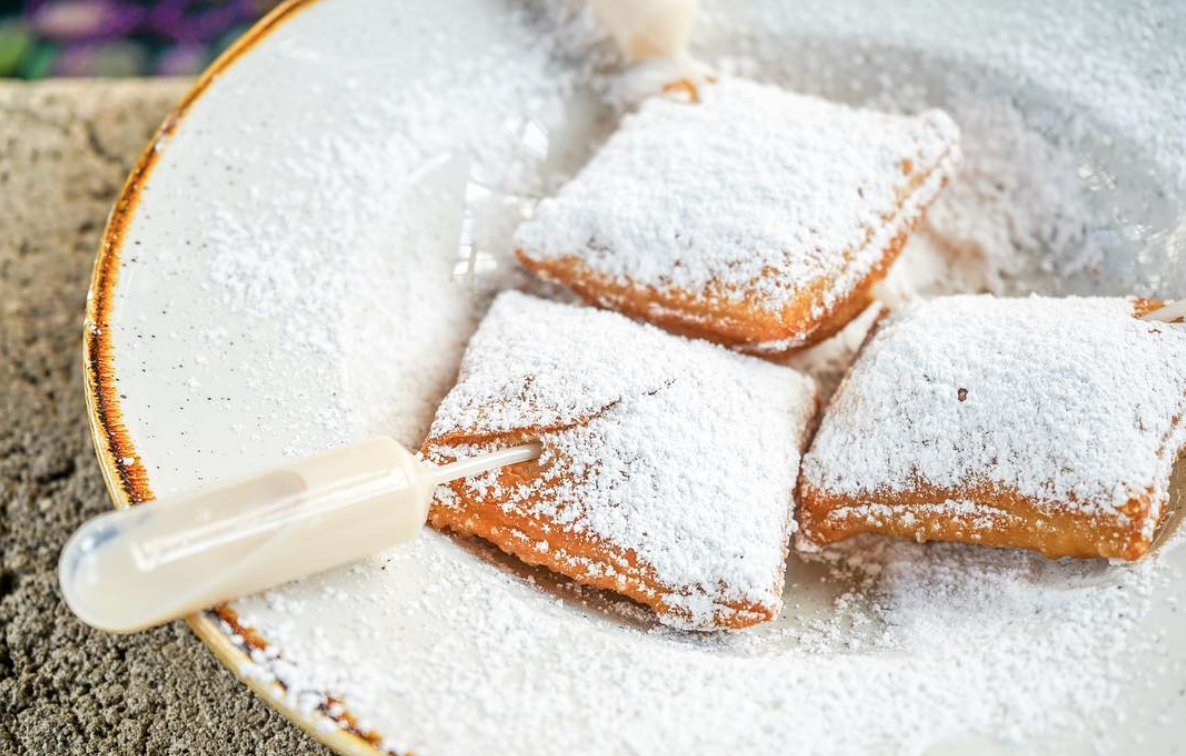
134,569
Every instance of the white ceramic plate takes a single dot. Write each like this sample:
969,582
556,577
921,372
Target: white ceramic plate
297,260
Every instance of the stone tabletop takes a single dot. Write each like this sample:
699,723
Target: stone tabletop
65,148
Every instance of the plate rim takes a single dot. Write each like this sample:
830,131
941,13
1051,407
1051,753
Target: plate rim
124,473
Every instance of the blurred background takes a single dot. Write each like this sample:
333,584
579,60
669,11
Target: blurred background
44,38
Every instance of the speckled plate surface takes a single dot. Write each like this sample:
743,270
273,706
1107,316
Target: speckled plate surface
297,259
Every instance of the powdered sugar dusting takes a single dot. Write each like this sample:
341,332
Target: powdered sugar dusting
928,647
1071,401
883,646
637,420
754,193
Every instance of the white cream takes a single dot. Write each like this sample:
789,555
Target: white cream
645,29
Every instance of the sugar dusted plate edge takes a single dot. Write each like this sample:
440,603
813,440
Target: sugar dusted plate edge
123,471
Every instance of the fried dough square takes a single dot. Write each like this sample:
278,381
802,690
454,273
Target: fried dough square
755,217
1044,424
668,466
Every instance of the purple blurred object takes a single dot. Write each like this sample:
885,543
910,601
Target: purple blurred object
119,37
84,20
191,22
182,60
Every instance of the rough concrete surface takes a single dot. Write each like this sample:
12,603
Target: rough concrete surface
65,148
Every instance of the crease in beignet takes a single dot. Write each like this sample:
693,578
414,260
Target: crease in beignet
984,515
670,481
477,510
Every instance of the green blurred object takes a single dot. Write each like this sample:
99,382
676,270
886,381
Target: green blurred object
15,42
38,61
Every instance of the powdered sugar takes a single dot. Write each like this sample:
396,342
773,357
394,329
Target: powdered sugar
922,647
635,421
884,646
754,193
1069,401
1033,212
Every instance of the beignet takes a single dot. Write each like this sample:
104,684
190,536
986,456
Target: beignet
1045,424
668,465
756,217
